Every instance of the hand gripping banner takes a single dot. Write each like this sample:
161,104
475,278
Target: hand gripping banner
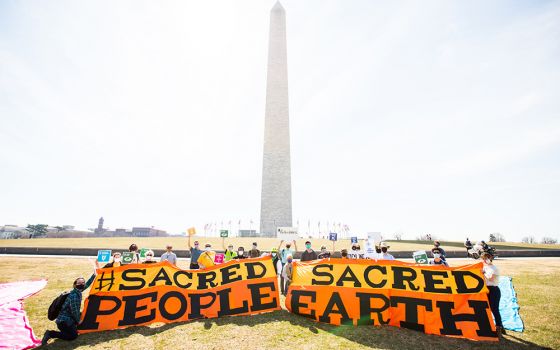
431,299
141,294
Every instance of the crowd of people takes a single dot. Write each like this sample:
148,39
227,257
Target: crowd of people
282,258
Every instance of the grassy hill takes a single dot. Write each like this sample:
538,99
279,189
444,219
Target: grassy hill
535,281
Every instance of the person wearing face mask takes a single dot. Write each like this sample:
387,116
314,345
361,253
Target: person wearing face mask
69,317
229,253
492,278
384,254
195,254
116,262
206,258
169,255
324,254
438,260
254,252
308,254
240,254
356,252
149,257
284,252
437,245
287,273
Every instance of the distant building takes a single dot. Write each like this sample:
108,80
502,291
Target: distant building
248,233
100,228
147,232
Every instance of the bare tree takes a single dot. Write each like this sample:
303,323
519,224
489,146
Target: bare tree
549,240
529,239
398,235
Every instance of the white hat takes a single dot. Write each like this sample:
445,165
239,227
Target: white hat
384,245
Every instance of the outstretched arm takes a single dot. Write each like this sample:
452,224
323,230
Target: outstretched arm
189,242
280,245
295,245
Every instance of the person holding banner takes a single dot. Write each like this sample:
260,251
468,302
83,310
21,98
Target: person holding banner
254,252
206,259
384,255
69,317
149,257
308,254
287,273
134,249
195,254
276,260
116,261
324,254
284,259
492,278
240,254
169,255
229,253
438,260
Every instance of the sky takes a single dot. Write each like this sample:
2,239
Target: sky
417,117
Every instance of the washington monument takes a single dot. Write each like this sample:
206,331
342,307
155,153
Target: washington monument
276,195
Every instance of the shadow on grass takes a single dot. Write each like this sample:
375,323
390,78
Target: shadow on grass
385,337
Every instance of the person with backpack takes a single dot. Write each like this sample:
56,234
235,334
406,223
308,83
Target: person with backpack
65,311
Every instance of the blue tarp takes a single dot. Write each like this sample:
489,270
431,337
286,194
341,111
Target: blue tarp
509,308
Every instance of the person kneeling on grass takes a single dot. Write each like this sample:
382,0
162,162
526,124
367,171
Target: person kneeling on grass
69,317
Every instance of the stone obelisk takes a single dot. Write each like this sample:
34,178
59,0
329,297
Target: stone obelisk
276,195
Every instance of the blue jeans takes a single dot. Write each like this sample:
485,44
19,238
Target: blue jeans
67,331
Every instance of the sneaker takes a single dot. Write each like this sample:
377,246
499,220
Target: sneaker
46,338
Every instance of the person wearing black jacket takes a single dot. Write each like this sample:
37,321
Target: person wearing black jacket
308,254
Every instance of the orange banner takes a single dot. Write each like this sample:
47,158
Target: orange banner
140,294
450,301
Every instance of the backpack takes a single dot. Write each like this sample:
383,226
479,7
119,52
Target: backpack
56,305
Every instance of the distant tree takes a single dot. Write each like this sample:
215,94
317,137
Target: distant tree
529,239
496,237
59,228
38,230
549,240
398,236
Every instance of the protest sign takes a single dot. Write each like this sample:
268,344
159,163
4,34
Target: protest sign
333,236
219,258
223,233
287,233
103,256
127,257
353,240
143,252
136,295
191,231
431,299
420,257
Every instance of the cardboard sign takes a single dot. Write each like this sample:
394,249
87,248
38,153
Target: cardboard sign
223,233
127,257
191,231
333,236
143,252
219,258
420,257
287,233
353,240
103,256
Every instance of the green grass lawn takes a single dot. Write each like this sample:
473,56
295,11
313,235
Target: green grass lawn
180,243
536,281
